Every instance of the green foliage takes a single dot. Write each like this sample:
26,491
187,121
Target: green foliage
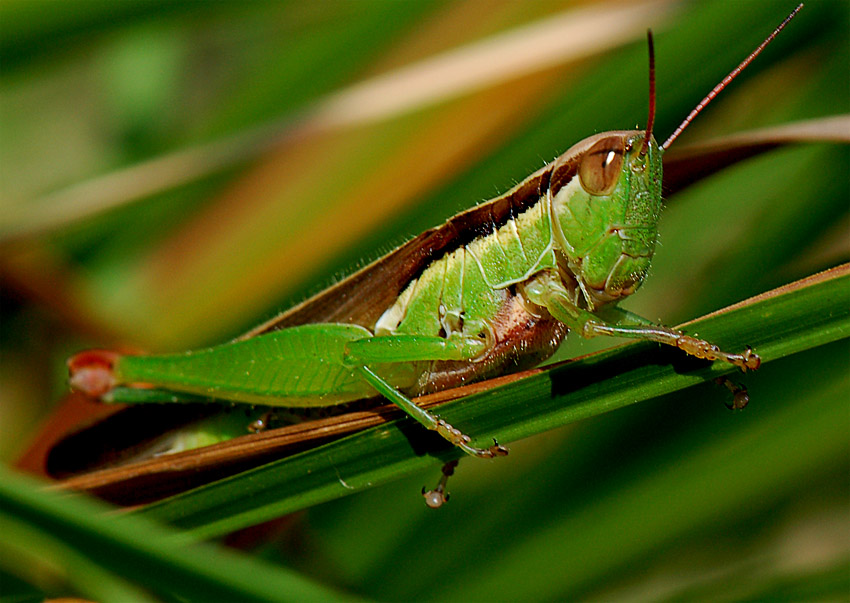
63,539
143,204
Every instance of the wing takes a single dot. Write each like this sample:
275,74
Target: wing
362,297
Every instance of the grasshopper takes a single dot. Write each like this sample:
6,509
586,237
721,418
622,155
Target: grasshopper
462,303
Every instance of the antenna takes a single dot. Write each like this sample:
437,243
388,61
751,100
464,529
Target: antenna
650,121
726,80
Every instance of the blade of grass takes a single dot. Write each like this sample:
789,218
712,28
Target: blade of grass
45,561
726,482
136,549
778,324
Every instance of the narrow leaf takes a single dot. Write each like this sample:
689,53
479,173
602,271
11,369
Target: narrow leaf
777,324
136,549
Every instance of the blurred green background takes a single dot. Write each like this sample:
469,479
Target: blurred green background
175,172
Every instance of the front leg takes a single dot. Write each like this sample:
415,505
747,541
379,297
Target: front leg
548,291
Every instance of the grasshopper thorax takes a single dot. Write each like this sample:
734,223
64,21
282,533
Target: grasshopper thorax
605,203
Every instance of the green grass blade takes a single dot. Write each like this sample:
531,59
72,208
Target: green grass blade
777,325
72,532
726,479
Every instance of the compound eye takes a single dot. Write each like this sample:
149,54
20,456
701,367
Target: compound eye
600,167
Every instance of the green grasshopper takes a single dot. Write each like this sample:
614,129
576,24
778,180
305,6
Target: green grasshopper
558,252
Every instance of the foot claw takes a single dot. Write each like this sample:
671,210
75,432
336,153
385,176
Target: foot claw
740,397
261,424
437,497
750,360
497,449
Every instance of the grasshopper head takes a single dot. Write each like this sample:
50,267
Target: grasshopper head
606,201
